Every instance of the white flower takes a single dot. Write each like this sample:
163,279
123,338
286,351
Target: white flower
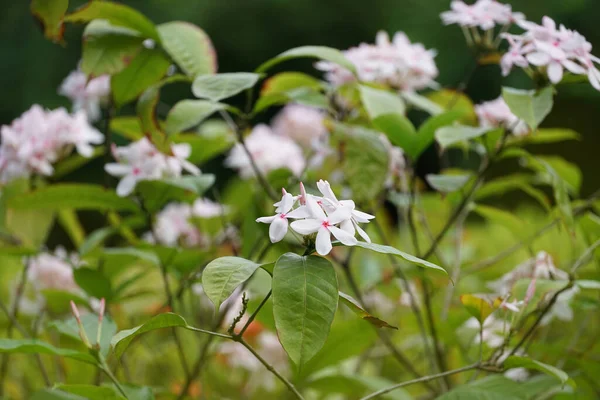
87,96
205,208
269,151
39,138
397,63
279,222
142,161
493,333
495,113
324,225
484,14
552,51
52,271
300,123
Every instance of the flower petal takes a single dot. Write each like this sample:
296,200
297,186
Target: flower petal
342,236
116,169
126,185
555,72
314,208
267,220
306,226
360,216
300,212
348,226
323,243
339,215
325,188
363,234
278,229
538,58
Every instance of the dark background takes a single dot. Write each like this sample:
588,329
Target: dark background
248,32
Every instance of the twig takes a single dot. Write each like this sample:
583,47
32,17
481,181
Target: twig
423,379
585,257
254,314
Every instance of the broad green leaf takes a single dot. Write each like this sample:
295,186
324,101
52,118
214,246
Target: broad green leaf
449,135
138,392
305,96
320,52
146,69
529,105
50,14
422,103
223,275
452,100
380,102
157,193
569,172
561,195
127,127
305,298
353,305
95,239
54,394
122,339
395,252
90,325
58,301
285,82
117,14
221,86
35,346
133,253
365,162
186,114
426,133
91,392
516,225
30,225
71,196
397,128
70,223
478,307
504,184
447,183
525,362
189,46
93,282
107,53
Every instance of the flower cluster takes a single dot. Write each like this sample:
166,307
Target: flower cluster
495,114
174,225
53,271
398,63
484,14
552,51
141,160
324,215
86,96
39,138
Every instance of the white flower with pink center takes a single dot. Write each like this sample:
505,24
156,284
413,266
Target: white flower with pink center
141,160
497,114
484,14
398,63
87,95
269,151
279,222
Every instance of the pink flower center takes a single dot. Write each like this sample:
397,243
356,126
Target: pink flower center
282,216
136,171
325,224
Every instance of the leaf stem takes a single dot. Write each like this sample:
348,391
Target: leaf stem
105,368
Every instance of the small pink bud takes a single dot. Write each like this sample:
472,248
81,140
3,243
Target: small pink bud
283,191
530,291
302,194
102,310
75,312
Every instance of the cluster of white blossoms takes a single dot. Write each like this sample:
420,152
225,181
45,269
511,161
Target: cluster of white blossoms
552,51
141,160
174,223
484,14
87,95
297,132
398,63
496,114
324,215
53,271
39,138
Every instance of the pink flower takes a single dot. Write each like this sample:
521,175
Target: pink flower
484,14
495,113
87,96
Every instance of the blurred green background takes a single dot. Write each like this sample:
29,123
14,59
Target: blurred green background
247,32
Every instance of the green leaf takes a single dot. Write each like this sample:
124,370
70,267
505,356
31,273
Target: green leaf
35,346
106,49
452,100
426,133
127,127
93,282
189,46
70,223
397,128
504,218
354,385
206,146
157,193
380,102
74,196
58,301
588,284
138,392
117,14
320,52
362,313
146,69
529,105
305,96
221,86
122,339
186,114
478,307
305,298
525,362
91,392
70,328
285,82
134,253
53,394
395,252
447,183
449,135
365,161
95,239
223,275
422,103
50,14
569,172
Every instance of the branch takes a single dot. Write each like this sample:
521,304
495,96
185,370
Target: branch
254,314
421,380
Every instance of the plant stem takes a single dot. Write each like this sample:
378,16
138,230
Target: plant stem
421,380
585,257
105,368
268,366
108,142
254,314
